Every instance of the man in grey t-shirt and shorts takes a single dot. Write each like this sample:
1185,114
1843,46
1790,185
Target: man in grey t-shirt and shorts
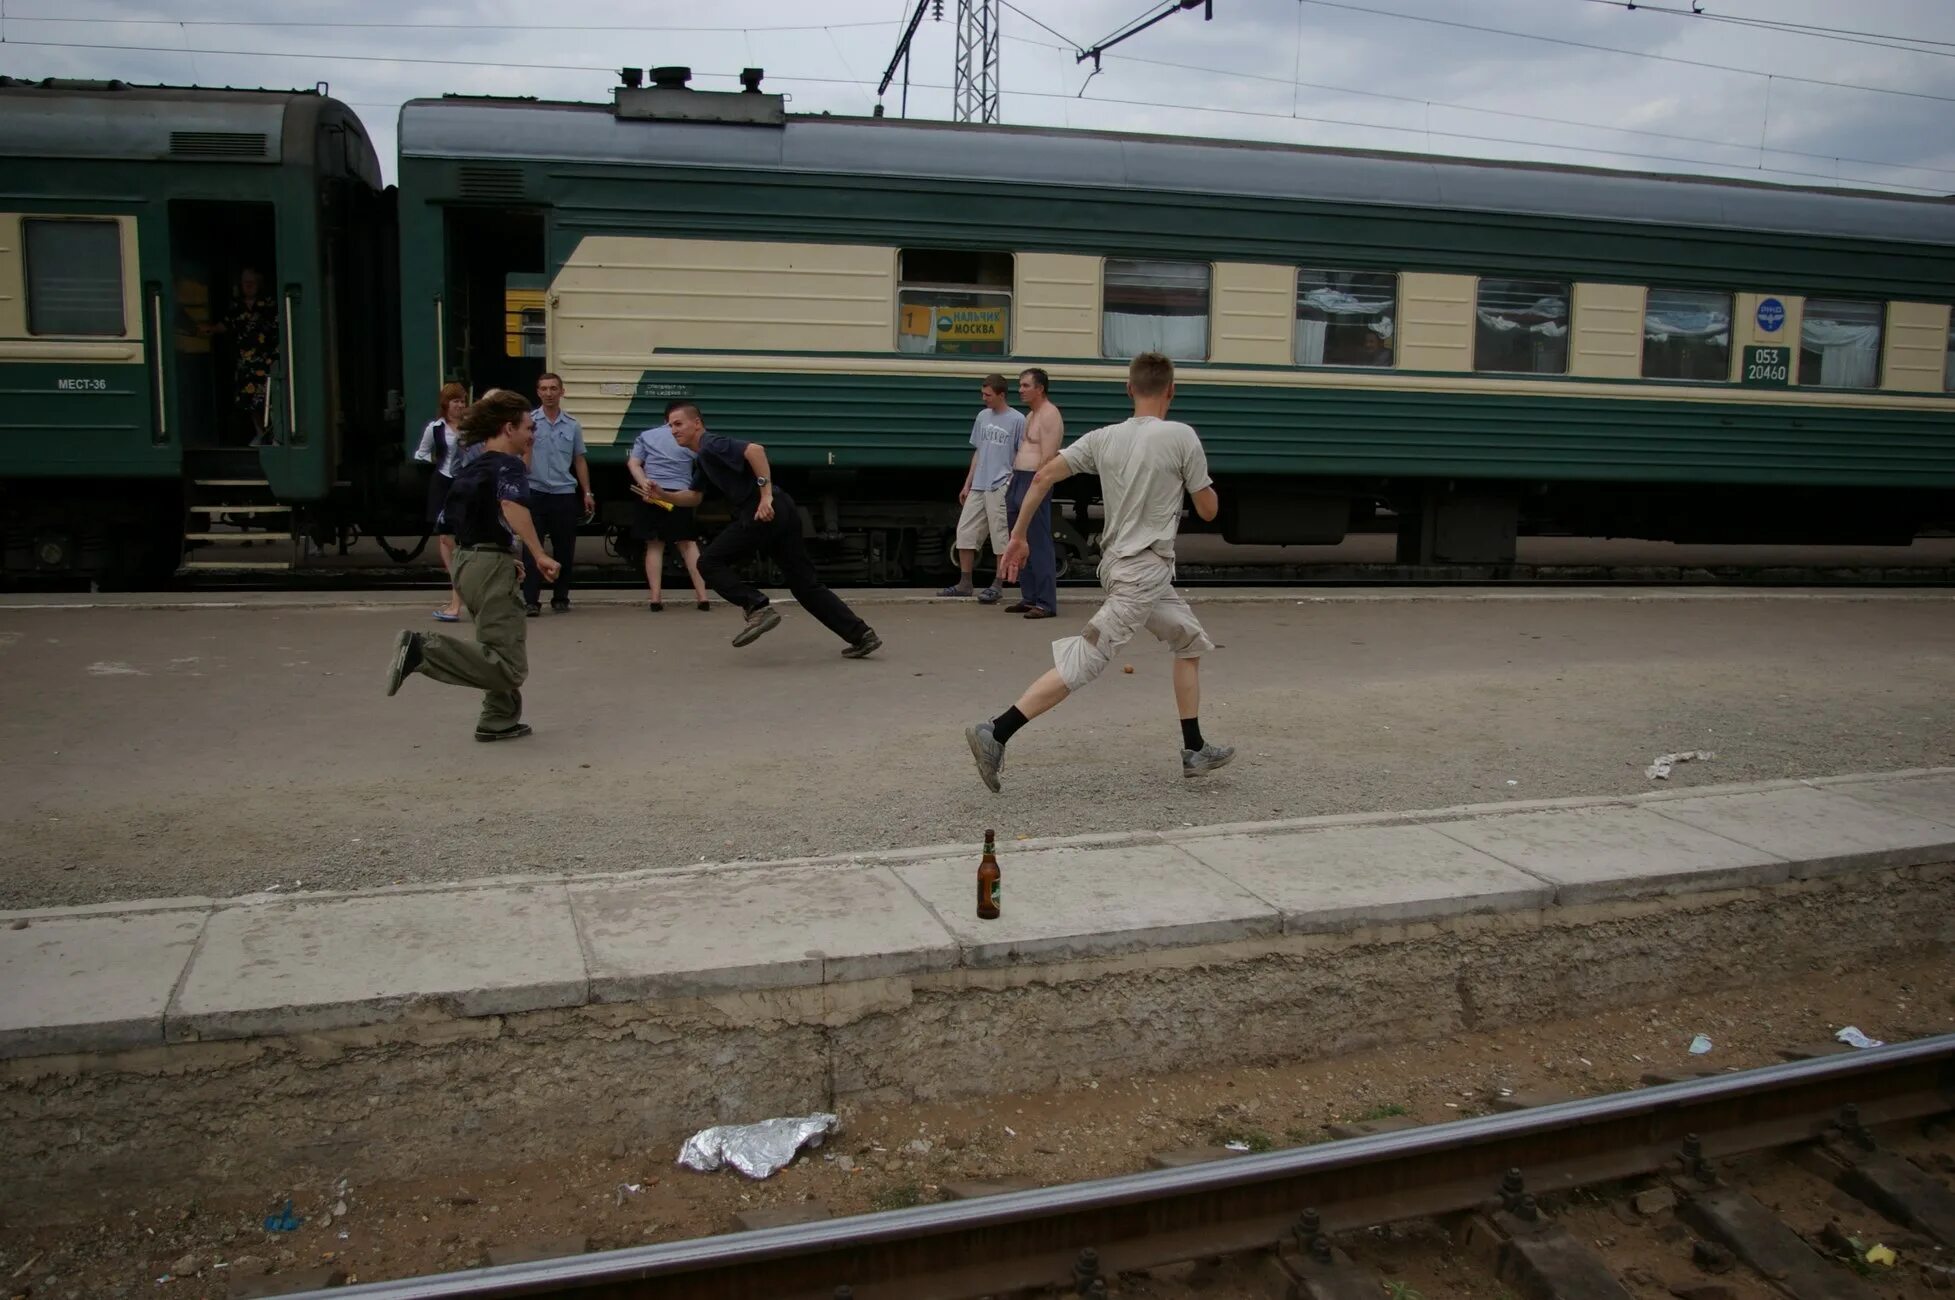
995,436
1145,465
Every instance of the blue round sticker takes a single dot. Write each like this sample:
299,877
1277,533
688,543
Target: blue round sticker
1771,315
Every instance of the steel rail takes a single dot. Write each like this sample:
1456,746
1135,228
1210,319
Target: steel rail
1029,1239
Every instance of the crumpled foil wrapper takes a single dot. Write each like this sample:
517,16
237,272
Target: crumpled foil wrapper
756,1150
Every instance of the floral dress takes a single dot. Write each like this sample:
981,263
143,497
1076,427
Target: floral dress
253,331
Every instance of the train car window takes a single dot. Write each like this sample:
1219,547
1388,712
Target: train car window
953,301
1948,370
1687,335
1522,327
1155,307
1839,343
525,323
74,276
1346,318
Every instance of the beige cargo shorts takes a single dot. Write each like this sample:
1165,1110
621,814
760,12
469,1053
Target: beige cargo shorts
1139,594
983,516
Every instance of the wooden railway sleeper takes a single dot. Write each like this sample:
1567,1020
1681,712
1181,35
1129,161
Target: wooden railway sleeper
1528,1250
1852,1161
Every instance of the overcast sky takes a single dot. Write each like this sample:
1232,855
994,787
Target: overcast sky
1329,72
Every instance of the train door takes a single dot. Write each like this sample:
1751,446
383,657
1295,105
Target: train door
221,336
496,283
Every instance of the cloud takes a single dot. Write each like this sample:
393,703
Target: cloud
1341,73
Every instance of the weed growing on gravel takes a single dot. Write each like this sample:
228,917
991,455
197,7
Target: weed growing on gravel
1253,1138
1403,1290
1390,1110
897,1196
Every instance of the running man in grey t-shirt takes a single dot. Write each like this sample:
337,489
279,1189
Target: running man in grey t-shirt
995,436
1145,466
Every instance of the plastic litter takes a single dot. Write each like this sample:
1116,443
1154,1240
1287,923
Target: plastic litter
756,1150
1235,1146
1882,1255
283,1221
1700,1045
1852,1037
1665,763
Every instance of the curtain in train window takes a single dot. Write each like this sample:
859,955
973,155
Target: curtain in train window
1839,343
1522,327
1687,335
1346,318
1155,307
74,277
953,301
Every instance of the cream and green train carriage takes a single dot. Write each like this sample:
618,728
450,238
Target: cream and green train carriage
1482,348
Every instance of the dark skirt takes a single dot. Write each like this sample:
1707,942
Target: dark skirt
438,485
651,524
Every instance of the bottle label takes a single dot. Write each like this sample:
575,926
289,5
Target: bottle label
996,889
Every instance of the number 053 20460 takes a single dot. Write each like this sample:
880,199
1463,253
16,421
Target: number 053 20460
1767,368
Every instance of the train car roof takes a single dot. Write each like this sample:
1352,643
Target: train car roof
530,130
57,118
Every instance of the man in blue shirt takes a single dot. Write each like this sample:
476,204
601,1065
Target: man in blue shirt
657,458
983,500
559,492
765,521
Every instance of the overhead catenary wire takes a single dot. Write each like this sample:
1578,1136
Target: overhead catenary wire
655,29
1834,177
1879,40
1553,120
1616,49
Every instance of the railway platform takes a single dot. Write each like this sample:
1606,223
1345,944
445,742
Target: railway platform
566,1007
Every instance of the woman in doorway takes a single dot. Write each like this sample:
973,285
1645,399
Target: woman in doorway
441,446
252,326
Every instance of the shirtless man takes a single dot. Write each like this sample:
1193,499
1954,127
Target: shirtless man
1045,429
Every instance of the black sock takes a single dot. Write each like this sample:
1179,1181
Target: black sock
1191,733
1006,724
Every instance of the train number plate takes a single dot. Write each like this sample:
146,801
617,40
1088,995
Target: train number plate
1767,368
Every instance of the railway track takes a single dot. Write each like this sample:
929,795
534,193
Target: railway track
1494,1179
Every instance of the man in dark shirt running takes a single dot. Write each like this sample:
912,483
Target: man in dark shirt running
764,522
488,506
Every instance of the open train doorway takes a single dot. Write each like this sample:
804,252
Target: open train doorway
224,334
496,297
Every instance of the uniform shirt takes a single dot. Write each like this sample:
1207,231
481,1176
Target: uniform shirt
723,463
484,481
559,443
1145,465
666,463
451,447
996,435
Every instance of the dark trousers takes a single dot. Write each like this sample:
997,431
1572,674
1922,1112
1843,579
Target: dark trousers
780,539
556,515
1038,581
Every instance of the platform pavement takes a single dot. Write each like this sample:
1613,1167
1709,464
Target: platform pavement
160,971
410,599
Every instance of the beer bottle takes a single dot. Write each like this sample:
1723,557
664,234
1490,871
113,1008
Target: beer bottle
988,879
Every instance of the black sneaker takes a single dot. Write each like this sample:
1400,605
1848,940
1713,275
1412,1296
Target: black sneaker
516,732
868,645
759,622
560,606
407,657
533,609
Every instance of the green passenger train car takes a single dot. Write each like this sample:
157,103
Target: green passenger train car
1467,349
136,386
1460,351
